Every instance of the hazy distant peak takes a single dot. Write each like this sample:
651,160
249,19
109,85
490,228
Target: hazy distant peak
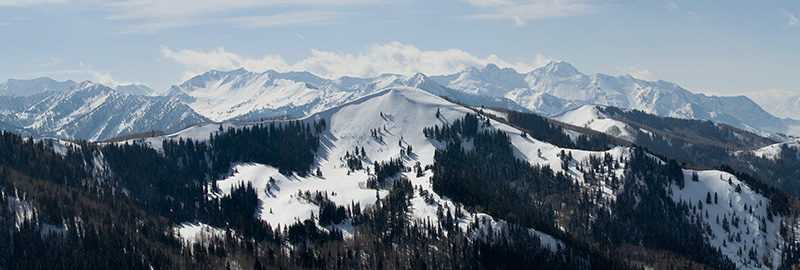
560,68
21,88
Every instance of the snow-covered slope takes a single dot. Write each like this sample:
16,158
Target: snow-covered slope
95,112
135,89
589,117
19,88
400,114
773,151
735,218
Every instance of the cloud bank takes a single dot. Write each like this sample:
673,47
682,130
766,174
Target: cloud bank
393,57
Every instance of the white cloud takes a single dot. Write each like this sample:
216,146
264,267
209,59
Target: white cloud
778,102
393,57
793,21
768,97
642,74
198,62
671,5
151,16
520,11
101,77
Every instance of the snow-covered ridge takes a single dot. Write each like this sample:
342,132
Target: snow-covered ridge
399,114
550,90
773,151
589,117
22,88
92,111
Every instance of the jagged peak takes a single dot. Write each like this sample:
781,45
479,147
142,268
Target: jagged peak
86,85
490,68
560,68
418,76
89,86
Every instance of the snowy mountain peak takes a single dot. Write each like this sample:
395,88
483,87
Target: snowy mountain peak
200,81
493,71
490,69
559,69
90,86
136,89
21,88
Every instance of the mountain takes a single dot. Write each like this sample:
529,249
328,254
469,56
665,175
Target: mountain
399,177
788,107
550,90
136,89
699,143
95,112
559,87
21,88
640,127
375,122
245,95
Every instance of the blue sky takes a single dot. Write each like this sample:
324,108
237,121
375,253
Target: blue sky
715,46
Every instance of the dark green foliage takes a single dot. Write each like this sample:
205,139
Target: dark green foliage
709,144
466,128
95,226
153,181
680,131
290,147
37,160
384,171
649,216
544,129
490,179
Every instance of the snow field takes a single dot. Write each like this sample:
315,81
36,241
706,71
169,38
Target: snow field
732,203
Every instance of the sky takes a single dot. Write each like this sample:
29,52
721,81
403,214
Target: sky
718,47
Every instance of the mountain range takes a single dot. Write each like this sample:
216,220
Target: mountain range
395,177
243,95
442,171
90,111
